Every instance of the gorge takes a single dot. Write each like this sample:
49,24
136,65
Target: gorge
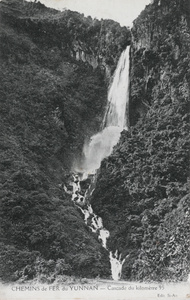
101,146
58,121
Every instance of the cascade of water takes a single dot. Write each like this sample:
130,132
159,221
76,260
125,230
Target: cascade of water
91,219
116,264
118,94
102,143
101,146
95,223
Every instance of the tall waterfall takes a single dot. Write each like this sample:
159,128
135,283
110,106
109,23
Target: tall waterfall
114,121
118,94
101,146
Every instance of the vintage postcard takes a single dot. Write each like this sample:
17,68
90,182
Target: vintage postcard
94,140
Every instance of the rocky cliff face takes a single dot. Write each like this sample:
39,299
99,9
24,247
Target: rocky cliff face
104,47
98,43
159,55
142,190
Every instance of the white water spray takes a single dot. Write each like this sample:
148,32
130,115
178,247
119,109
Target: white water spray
118,94
91,219
102,143
116,265
101,146
95,223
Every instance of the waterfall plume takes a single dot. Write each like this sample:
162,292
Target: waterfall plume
101,146
102,143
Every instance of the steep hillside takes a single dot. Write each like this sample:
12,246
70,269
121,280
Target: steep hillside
142,190
54,72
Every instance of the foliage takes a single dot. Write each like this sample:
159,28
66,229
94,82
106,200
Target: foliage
142,191
13,259
49,104
65,30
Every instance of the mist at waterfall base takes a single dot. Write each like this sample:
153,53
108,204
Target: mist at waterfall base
99,147
102,143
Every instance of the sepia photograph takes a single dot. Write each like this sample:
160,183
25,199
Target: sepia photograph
94,149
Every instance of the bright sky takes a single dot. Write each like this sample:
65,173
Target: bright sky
122,11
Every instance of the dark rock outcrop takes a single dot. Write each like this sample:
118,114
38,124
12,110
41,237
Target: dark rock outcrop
98,43
159,53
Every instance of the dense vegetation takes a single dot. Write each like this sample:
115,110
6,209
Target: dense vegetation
66,31
49,104
142,190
